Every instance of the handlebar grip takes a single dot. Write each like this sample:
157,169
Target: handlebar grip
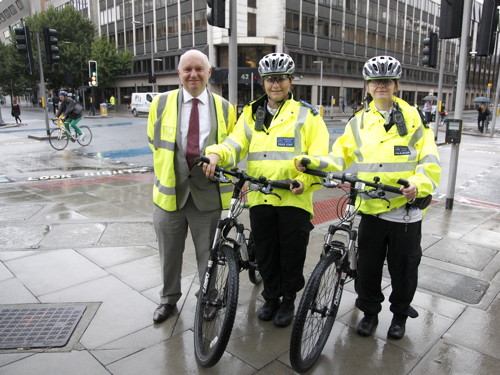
284,184
404,182
203,159
315,172
305,161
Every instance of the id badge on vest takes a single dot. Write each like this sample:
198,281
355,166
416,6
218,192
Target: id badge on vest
285,142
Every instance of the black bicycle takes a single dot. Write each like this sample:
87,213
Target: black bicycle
320,301
232,251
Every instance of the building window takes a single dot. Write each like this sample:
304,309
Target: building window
12,9
173,26
200,20
252,3
323,29
19,4
292,21
336,31
307,24
187,24
349,33
161,29
251,24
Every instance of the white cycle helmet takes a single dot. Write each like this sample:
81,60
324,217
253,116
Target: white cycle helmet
276,63
382,67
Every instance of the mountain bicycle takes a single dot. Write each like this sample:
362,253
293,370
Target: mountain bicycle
232,251
60,136
320,300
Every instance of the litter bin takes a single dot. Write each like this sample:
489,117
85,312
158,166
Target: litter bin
104,109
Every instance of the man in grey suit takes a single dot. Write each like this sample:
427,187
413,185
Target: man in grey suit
181,124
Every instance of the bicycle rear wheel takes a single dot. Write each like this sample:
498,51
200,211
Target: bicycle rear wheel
316,313
253,270
216,310
87,136
58,139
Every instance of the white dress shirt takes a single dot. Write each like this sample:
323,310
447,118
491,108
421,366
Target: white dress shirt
204,116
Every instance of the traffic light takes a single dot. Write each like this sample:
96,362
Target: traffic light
216,14
450,19
93,73
486,35
23,45
151,78
51,49
430,50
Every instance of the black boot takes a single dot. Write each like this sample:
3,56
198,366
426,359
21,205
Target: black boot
367,325
267,311
285,312
397,329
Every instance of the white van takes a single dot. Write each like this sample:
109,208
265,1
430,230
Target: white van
141,101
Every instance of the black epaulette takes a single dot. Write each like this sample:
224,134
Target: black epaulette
310,106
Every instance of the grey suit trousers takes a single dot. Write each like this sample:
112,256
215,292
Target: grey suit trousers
171,229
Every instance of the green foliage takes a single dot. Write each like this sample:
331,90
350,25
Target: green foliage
77,45
110,61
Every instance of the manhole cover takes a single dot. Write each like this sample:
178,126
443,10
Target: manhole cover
38,327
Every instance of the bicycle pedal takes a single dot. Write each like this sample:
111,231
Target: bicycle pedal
73,140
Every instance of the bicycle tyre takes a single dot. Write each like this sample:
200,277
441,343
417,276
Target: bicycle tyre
88,136
58,139
253,272
211,336
312,327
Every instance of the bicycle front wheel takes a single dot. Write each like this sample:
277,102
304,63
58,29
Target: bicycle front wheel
216,310
58,139
316,313
87,136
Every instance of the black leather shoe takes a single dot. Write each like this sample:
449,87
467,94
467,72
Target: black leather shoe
367,325
397,329
267,311
285,313
163,312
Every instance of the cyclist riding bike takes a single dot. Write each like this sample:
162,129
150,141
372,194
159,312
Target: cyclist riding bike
72,112
388,140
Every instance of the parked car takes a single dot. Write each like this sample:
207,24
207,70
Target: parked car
141,101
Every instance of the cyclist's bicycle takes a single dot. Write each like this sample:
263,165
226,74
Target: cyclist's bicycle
59,137
232,251
320,300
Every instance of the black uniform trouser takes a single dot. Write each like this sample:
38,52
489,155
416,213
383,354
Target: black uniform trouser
398,242
281,236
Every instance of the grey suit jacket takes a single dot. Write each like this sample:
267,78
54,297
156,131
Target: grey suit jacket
205,193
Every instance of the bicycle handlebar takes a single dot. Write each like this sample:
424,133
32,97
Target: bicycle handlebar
345,177
242,175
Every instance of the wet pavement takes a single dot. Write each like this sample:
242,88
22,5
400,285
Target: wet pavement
89,241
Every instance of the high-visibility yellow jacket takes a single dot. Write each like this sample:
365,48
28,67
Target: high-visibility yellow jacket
162,132
294,130
386,154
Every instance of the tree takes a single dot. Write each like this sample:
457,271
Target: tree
110,61
74,47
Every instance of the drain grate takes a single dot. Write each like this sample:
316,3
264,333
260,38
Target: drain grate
38,326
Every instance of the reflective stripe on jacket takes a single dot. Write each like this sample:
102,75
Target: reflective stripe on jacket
294,130
386,154
162,136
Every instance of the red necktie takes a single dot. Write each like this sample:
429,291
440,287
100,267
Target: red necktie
193,136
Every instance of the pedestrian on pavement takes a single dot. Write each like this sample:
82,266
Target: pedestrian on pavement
181,124
112,102
343,106
91,106
387,140
72,112
483,113
428,111
16,111
270,131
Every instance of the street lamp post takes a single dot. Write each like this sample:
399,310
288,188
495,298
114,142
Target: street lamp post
320,62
